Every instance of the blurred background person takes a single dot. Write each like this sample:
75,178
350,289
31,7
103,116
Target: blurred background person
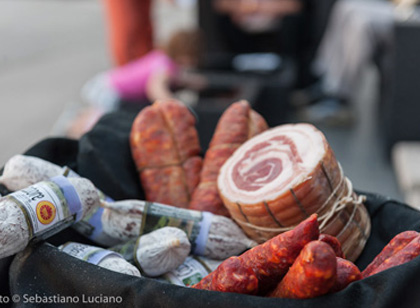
130,29
140,82
258,26
359,32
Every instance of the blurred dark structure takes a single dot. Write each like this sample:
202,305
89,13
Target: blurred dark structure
297,38
268,89
400,106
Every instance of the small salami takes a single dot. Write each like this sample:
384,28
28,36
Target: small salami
347,272
157,252
406,254
269,261
42,210
312,274
165,148
22,171
234,276
101,257
333,242
236,125
212,236
394,246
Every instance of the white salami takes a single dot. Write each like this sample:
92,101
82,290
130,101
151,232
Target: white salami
98,256
212,236
157,252
21,171
42,210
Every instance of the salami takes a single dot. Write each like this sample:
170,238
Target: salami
333,242
267,262
212,236
236,125
405,254
101,257
395,245
165,148
157,252
281,176
42,210
21,171
347,272
312,274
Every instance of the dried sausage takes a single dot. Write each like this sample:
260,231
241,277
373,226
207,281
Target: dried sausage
312,274
269,261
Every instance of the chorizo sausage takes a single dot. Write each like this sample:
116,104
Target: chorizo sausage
269,261
312,274
347,272
395,245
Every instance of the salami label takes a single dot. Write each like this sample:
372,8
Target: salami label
48,205
91,225
191,271
195,224
91,254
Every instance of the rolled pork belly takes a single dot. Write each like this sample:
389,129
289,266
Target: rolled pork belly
282,176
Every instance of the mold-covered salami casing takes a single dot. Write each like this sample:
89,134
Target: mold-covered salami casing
21,171
395,245
236,125
313,273
347,272
42,210
269,261
213,236
165,148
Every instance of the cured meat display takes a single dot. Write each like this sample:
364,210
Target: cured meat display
262,267
282,176
313,273
165,149
237,124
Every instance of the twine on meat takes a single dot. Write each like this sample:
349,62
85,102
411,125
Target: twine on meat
341,203
350,199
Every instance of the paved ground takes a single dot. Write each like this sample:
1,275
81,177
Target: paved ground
48,48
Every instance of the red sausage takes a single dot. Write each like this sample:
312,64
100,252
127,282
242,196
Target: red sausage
312,274
395,245
333,242
269,262
406,254
347,272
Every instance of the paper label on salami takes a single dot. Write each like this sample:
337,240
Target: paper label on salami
91,254
157,216
191,271
44,206
91,225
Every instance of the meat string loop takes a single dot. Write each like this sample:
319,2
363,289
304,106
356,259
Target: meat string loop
342,203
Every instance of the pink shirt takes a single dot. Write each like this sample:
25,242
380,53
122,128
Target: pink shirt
131,79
